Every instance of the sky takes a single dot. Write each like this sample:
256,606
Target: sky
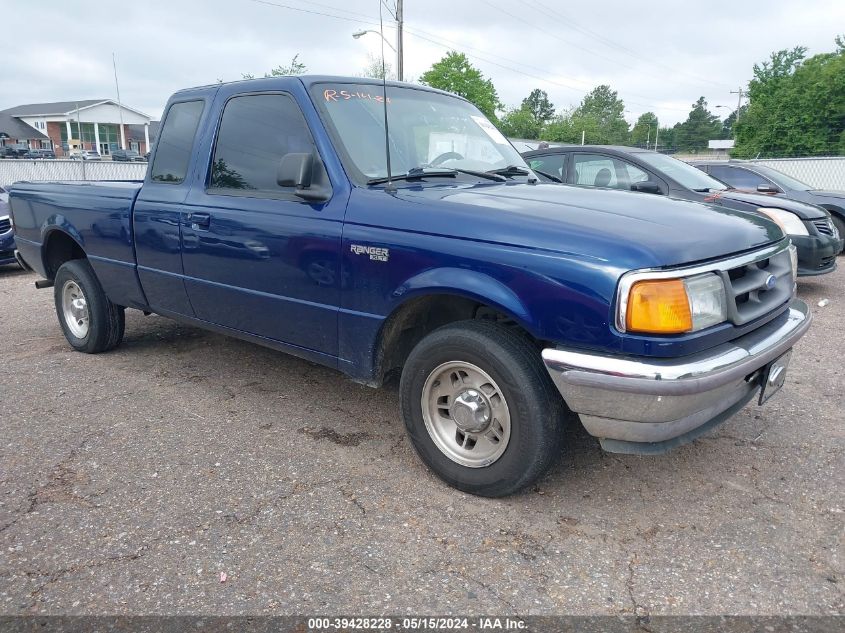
659,56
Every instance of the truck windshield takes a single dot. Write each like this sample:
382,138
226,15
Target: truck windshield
683,173
427,130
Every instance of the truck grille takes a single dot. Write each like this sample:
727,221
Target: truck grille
5,225
755,289
823,226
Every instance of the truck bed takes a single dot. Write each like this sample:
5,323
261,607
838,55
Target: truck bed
97,215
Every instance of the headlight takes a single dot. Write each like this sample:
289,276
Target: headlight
675,306
789,222
793,259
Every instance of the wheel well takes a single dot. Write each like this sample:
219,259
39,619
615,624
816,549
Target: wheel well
417,317
58,249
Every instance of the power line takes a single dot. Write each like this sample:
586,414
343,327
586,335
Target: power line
581,48
431,38
452,45
569,23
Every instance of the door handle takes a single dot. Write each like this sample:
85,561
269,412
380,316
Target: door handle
199,220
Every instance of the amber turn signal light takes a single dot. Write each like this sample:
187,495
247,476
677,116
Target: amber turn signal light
659,307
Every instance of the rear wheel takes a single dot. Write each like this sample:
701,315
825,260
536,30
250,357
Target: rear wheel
90,322
480,408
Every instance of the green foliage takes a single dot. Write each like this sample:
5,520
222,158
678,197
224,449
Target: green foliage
538,104
600,115
455,74
376,69
701,126
796,106
644,129
295,67
520,123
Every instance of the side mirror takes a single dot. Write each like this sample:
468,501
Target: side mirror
646,186
297,170
768,189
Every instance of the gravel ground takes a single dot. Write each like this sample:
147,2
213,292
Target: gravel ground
130,481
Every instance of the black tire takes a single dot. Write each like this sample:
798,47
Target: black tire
840,226
106,321
515,365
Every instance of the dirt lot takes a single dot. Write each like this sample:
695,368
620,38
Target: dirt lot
130,480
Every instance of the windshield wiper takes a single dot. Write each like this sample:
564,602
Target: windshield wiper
511,170
415,173
549,176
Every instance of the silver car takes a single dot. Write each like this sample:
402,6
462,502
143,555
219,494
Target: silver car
84,154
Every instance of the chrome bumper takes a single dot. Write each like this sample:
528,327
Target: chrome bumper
650,406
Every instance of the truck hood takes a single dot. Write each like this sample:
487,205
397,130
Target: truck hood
642,229
803,210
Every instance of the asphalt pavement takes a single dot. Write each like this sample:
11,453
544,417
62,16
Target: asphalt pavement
187,473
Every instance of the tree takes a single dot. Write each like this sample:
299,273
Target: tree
376,70
538,104
295,67
642,134
700,127
796,106
520,123
600,116
455,74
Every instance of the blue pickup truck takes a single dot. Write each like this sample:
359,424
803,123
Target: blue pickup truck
502,303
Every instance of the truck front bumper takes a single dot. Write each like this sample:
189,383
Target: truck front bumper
648,406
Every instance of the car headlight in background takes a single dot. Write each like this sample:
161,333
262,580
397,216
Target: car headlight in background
789,222
793,259
674,306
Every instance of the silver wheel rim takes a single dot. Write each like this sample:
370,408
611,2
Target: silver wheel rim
466,414
75,309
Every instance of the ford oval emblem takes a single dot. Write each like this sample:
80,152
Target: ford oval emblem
771,282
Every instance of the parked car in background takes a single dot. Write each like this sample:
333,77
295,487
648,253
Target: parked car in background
10,151
39,154
764,179
84,154
7,238
499,299
809,227
127,155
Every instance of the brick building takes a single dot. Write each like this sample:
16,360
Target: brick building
93,124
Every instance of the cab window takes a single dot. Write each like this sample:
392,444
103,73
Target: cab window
737,177
256,131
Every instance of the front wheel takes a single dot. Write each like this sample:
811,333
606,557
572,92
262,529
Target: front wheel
840,227
480,409
90,322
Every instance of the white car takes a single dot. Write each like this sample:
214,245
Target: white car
84,154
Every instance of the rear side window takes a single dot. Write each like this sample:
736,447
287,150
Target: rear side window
175,142
255,132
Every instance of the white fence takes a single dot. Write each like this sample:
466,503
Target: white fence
13,170
827,172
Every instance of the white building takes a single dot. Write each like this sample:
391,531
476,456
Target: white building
95,124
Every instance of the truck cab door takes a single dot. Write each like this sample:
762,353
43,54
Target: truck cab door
258,257
157,213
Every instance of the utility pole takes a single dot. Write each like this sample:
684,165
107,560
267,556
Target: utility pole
400,64
656,134
740,93
81,144
119,106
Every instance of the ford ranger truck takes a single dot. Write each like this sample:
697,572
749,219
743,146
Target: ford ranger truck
268,213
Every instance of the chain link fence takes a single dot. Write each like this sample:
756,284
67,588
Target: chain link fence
13,170
826,172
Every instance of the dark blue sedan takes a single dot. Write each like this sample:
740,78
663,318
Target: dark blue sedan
7,240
